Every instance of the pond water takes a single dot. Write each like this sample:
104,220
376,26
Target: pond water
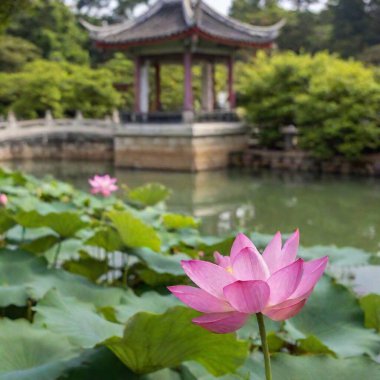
328,210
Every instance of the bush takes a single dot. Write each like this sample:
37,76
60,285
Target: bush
333,102
339,114
60,87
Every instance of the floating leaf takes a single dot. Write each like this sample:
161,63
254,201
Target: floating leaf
76,320
333,316
149,194
150,301
371,307
28,352
40,245
6,221
86,266
152,342
134,232
65,224
106,238
24,276
178,221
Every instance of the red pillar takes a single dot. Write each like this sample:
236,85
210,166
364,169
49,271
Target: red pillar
137,84
214,86
157,68
188,98
231,92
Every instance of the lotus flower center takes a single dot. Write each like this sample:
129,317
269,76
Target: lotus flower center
229,269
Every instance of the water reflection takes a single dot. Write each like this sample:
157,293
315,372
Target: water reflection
328,210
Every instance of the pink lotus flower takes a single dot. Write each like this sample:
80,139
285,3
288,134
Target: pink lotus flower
3,199
104,185
275,284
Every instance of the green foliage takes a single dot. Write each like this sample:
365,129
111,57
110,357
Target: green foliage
16,52
28,352
61,87
52,27
371,307
104,311
8,9
149,194
334,103
134,232
177,221
150,343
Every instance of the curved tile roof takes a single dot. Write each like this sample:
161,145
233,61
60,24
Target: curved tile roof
180,18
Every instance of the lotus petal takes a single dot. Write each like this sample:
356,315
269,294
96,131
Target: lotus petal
247,296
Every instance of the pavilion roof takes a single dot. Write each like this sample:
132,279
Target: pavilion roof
178,19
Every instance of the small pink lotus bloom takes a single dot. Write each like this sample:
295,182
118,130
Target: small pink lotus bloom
3,199
276,284
103,184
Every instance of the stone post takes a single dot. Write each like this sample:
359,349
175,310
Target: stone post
49,121
78,118
116,117
290,133
12,120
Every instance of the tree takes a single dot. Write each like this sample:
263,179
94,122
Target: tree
112,8
257,12
16,52
349,20
53,28
8,8
60,87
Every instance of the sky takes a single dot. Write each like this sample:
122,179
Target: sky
221,5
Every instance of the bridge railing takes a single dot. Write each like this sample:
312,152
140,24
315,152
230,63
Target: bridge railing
12,123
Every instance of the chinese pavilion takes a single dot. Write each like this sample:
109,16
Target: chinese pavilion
185,32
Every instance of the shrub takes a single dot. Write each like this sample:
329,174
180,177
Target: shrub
339,114
60,87
333,102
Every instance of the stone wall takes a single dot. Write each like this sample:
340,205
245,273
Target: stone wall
182,148
296,160
60,147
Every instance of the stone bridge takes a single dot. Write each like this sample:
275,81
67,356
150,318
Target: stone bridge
48,138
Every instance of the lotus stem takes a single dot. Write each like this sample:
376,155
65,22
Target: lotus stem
264,345
58,250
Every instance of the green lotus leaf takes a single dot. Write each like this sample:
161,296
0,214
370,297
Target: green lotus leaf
6,221
162,264
65,224
28,352
155,341
345,256
106,238
76,320
149,301
86,266
69,249
149,194
24,276
333,315
288,367
371,307
134,232
40,245
178,221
